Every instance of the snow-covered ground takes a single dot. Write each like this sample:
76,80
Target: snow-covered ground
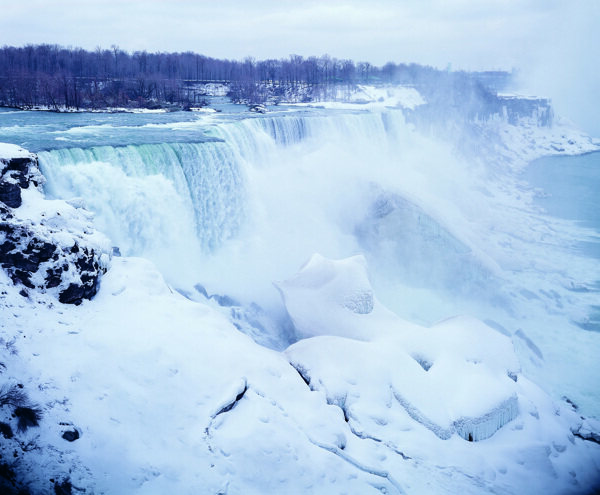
8,151
63,109
168,396
368,97
165,394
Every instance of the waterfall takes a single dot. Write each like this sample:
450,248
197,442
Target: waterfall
198,186
253,198
238,202
206,180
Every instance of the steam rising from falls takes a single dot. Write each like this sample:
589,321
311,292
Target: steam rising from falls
315,187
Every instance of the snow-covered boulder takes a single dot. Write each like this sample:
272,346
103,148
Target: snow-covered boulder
18,169
389,381
45,245
330,297
456,377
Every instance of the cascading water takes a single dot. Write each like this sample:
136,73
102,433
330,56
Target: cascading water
155,199
168,202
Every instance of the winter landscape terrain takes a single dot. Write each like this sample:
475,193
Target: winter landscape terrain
361,294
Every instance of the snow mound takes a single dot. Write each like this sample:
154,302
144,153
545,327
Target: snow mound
367,97
458,376
389,96
192,405
330,297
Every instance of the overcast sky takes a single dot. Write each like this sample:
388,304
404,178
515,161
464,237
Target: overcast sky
553,42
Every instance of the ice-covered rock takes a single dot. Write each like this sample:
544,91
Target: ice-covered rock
455,377
45,245
447,393
18,169
330,297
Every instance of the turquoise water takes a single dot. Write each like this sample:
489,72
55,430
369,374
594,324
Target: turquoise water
570,189
41,131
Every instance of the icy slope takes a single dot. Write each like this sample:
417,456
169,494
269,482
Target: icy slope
169,397
418,392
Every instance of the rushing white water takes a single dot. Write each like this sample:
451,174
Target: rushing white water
254,198
154,198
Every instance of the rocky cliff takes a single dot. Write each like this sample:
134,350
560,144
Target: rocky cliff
47,245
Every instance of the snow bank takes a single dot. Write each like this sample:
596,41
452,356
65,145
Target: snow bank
64,109
405,385
167,396
334,298
213,89
523,143
389,96
8,151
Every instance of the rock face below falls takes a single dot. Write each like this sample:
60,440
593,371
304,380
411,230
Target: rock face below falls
46,245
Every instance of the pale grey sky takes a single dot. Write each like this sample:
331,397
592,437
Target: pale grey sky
553,42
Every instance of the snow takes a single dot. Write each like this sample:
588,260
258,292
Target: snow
366,97
213,89
149,388
391,96
59,222
333,298
64,109
8,151
169,396
523,143
203,109
468,363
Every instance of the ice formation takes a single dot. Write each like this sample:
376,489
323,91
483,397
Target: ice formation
466,386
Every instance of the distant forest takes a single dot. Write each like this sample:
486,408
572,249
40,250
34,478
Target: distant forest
57,77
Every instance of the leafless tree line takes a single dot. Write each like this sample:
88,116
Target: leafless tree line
59,77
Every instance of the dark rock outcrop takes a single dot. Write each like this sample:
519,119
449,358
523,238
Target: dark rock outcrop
70,435
6,430
10,194
53,251
16,174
